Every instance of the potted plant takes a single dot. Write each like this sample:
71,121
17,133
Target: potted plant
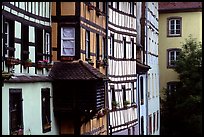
90,6
105,62
134,105
10,61
115,104
126,103
44,64
28,63
90,61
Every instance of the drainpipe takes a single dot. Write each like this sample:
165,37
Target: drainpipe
146,46
106,71
138,98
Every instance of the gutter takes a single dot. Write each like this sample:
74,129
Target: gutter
106,71
146,46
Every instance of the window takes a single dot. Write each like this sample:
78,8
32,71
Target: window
45,99
172,57
103,48
124,93
154,122
97,49
157,119
172,87
8,32
150,124
24,38
87,46
16,111
97,5
133,49
132,8
117,5
47,46
104,7
174,26
124,46
67,41
142,125
113,93
133,92
141,91
39,43
112,45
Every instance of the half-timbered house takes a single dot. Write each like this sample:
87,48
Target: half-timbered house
79,81
26,56
122,95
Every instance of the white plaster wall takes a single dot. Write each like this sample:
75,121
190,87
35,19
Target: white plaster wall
31,94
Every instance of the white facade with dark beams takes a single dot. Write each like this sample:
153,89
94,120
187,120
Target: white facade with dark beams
121,51
27,95
152,43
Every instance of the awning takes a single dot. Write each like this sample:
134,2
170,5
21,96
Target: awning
76,70
142,68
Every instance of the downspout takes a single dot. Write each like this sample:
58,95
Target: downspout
146,46
106,71
138,93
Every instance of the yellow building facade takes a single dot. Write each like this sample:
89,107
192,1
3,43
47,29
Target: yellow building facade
185,18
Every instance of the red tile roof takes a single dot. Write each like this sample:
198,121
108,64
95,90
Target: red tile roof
77,70
164,6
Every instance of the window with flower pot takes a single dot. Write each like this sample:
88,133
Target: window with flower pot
68,41
46,119
16,111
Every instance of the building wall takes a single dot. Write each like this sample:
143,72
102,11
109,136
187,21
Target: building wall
188,18
37,17
152,44
77,15
32,114
21,14
122,71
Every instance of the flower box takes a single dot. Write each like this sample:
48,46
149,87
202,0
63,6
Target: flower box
90,6
126,103
28,63
98,12
12,61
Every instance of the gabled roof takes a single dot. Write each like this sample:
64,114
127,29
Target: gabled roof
76,70
179,6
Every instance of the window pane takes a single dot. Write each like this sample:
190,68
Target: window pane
178,31
68,32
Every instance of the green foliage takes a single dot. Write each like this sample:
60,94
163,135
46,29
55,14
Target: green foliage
182,110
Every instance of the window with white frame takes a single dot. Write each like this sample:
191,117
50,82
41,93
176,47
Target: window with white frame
172,57
67,41
174,26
